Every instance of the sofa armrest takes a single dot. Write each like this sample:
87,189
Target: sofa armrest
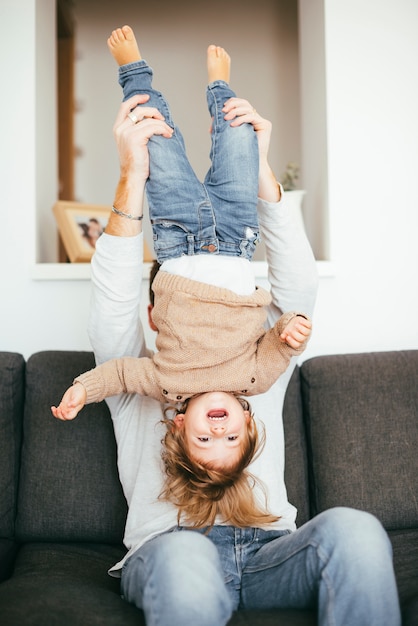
12,373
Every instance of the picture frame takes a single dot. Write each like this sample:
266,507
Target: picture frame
80,225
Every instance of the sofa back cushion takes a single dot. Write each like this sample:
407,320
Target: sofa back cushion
361,413
69,486
12,371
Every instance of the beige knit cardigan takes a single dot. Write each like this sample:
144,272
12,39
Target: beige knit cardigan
209,339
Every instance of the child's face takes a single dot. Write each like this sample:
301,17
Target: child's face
215,426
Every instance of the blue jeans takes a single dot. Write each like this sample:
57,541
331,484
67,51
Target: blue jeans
339,563
218,216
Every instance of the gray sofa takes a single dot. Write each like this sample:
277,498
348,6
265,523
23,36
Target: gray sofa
351,426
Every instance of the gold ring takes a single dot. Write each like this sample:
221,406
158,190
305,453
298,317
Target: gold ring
133,118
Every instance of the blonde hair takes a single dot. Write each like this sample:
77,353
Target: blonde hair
201,491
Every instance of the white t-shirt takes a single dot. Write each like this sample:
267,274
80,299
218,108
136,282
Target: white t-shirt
229,272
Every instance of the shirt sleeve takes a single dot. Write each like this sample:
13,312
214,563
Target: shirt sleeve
114,325
292,272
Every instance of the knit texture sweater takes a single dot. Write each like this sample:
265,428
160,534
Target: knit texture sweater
209,339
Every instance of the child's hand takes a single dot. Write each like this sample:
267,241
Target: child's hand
72,402
296,332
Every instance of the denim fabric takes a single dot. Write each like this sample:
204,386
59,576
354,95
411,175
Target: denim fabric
177,579
218,216
340,562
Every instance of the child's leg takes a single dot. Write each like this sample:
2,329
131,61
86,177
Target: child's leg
180,212
232,180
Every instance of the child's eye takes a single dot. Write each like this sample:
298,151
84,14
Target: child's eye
203,438
232,437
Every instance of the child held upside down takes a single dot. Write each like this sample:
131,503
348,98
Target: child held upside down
211,343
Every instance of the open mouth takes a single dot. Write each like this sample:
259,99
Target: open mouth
217,414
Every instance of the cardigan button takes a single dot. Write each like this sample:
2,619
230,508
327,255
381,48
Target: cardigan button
253,380
244,390
179,397
165,392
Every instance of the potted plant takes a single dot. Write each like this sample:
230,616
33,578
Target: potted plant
294,197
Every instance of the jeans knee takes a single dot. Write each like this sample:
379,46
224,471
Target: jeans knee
356,533
182,581
183,550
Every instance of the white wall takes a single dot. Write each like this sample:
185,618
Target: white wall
265,69
372,125
371,302
314,162
174,40
34,315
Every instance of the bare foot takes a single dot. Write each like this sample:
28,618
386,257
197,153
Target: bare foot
219,64
122,44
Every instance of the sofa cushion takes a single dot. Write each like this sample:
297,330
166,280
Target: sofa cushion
410,613
69,486
12,370
68,584
8,549
405,560
361,413
65,585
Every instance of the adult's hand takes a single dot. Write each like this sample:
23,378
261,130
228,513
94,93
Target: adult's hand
133,127
240,111
135,124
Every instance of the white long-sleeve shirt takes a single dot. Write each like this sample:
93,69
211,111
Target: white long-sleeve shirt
115,330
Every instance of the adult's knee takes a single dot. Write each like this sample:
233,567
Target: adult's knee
194,588
358,534
191,543
358,568
180,581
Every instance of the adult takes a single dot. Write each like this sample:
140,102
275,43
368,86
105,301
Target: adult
340,561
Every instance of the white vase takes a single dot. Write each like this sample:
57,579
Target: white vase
294,200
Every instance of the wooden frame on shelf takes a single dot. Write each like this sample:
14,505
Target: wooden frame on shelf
80,225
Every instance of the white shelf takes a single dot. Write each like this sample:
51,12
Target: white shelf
61,271
81,271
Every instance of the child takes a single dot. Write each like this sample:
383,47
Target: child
208,312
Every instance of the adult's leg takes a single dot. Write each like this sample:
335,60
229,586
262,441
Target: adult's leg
341,562
180,211
232,180
176,578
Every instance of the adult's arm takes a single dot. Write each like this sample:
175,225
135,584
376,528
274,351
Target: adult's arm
114,325
292,270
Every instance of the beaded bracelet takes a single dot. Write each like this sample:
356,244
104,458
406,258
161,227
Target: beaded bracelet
128,215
